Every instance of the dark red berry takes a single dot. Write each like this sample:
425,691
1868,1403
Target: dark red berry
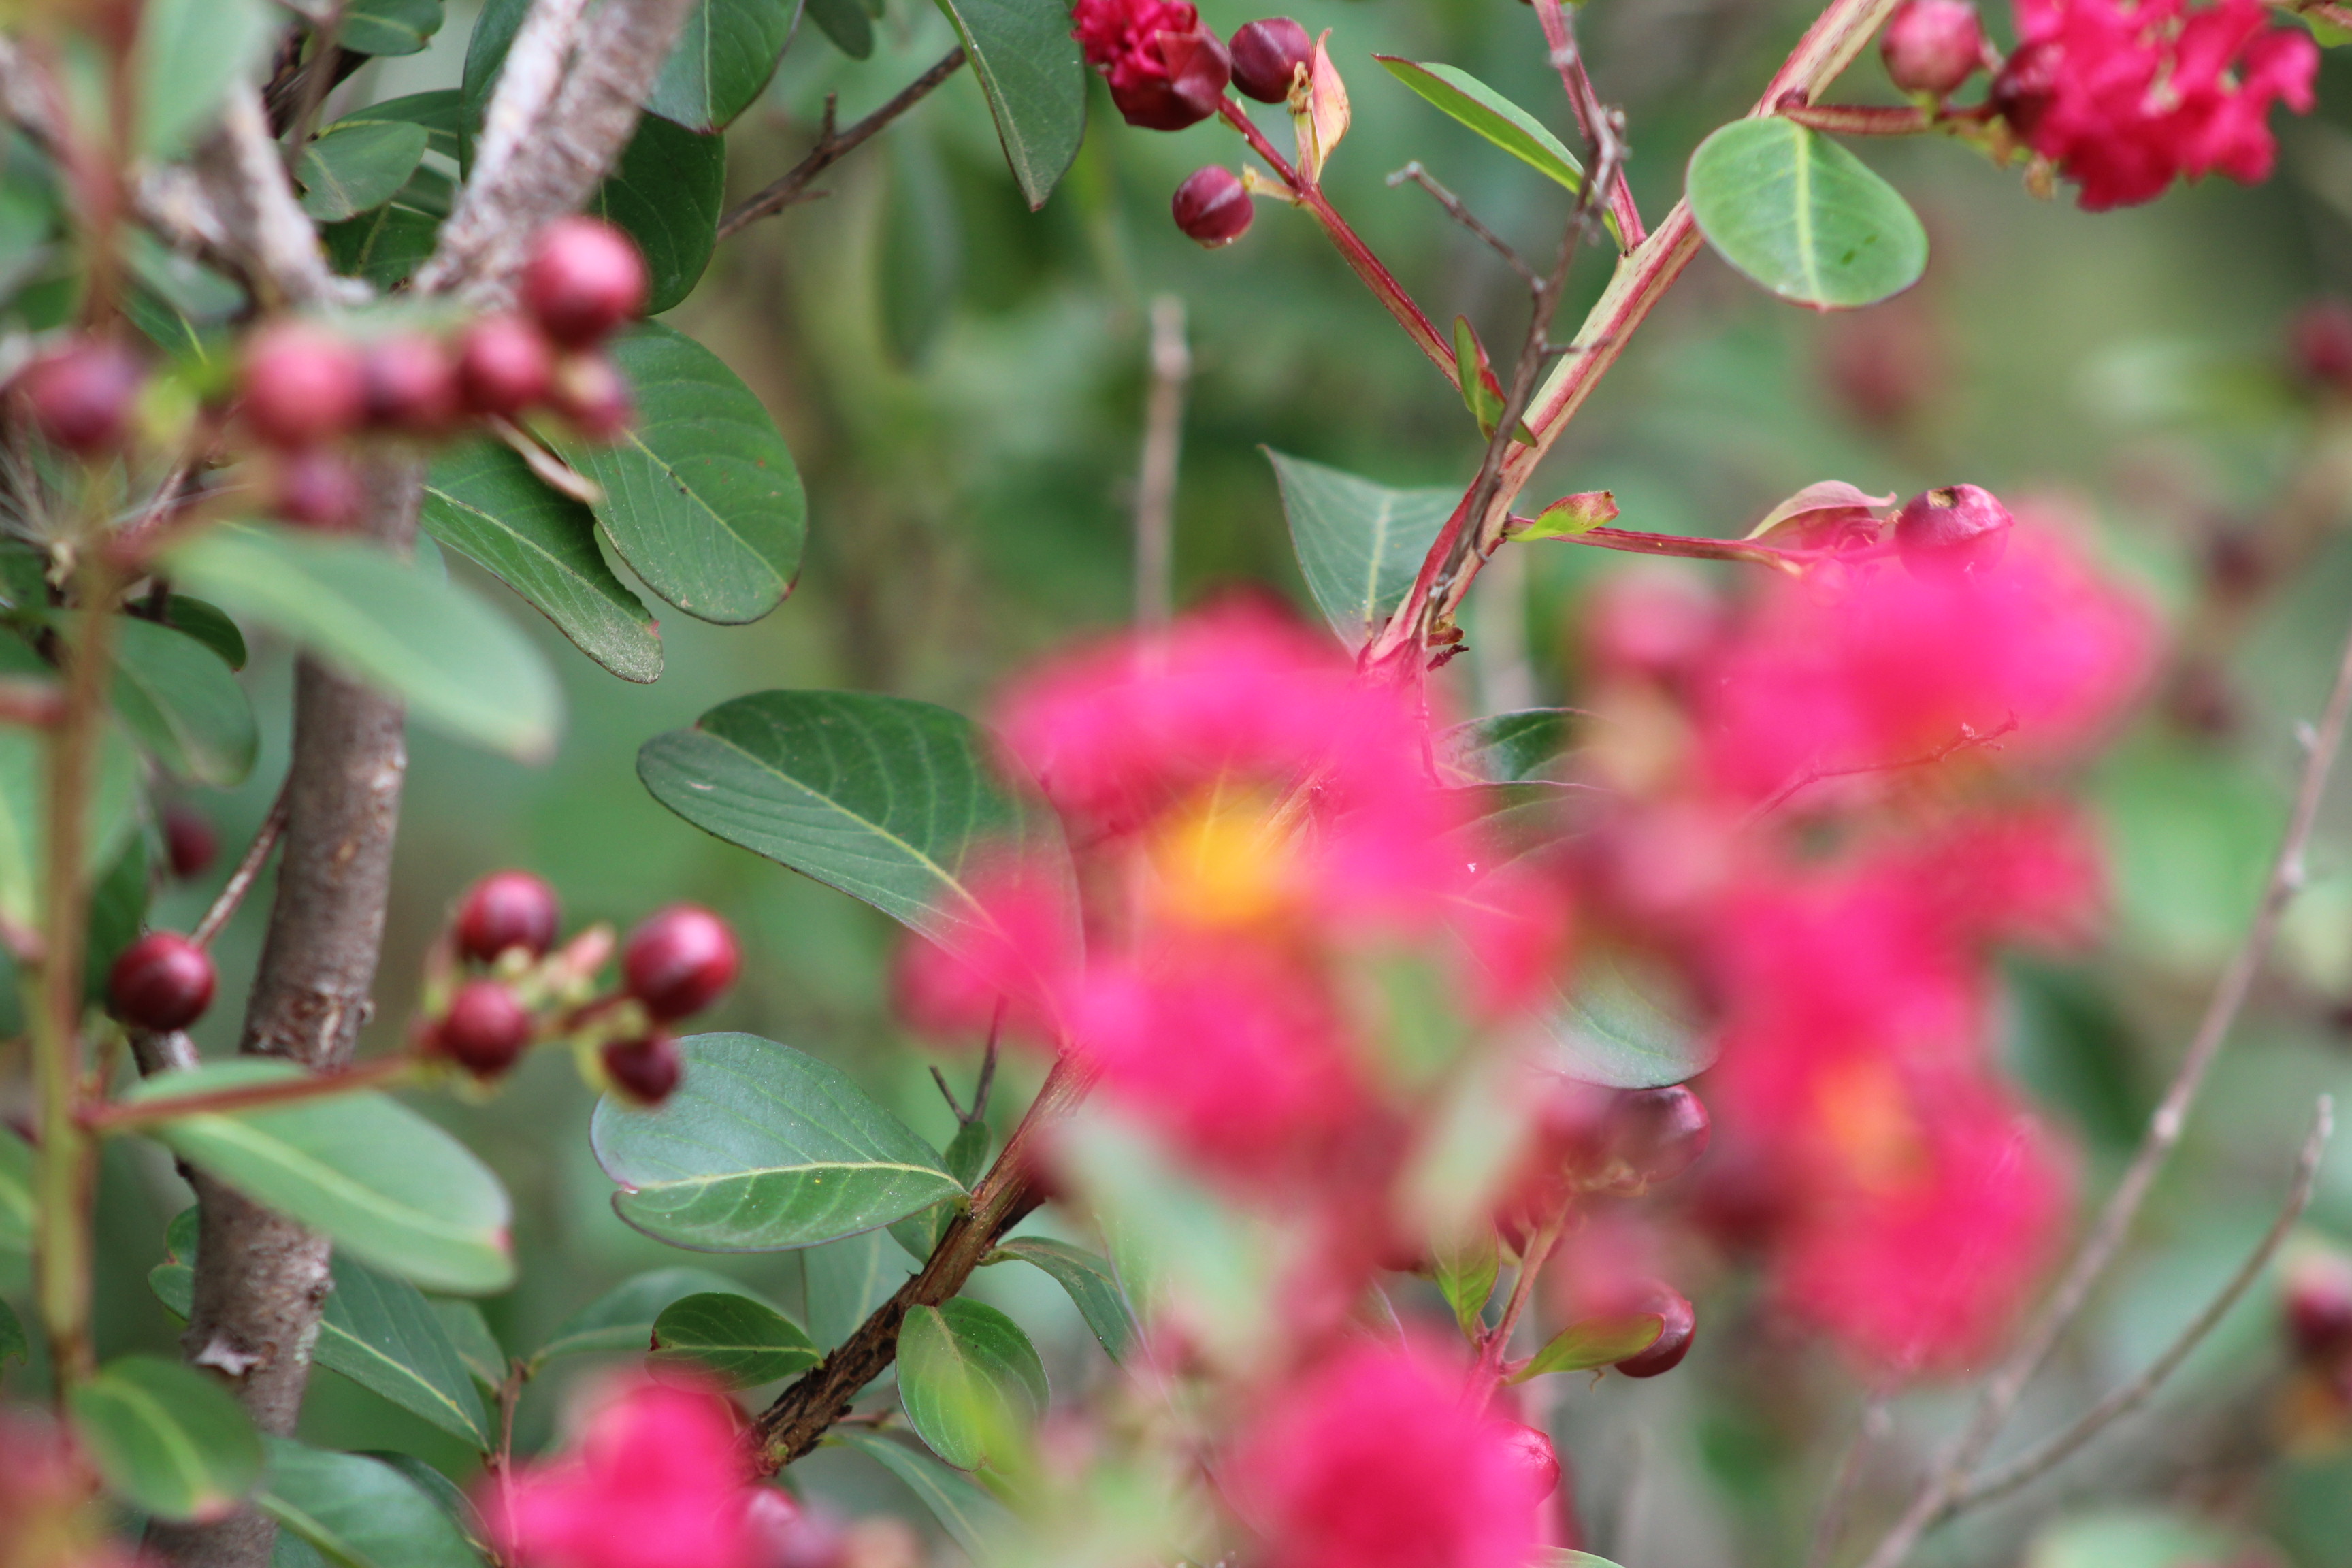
411,384
1266,57
507,909
504,365
161,982
318,489
1667,1351
2027,85
646,1069
2319,343
1533,1453
1654,1135
81,396
1196,70
584,279
1933,45
486,1029
1950,531
189,842
591,392
679,961
1212,206
2318,1300
302,385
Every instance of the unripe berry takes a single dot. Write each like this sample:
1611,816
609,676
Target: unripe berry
1266,57
1951,532
1933,45
1682,1326
1654,1135
486,1029
317,488
1212,206
411,384
645,1070
584,279
2318,1302
302,385
161,982
504,909
189,841
1533,1452
679,961
81,396
504,365
590,391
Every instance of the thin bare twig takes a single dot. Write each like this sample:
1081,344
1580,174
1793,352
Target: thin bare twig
1829,1525
832,147
1999,1398
1590,117
240,880
315,82
1461,215
1155,485
1969,735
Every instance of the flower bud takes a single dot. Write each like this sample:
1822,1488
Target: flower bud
161,982
679,960
1933,45
81,396
645,1070
1212,206
1682,1327
2027,85
1533,1452
302,385
1266,57
507,909
1654,1135
410,385
1186,89
584,279
189,842
1953,531
2317,1297
590,391
486,1029
504,365
317,488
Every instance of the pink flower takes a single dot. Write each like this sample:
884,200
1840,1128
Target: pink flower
1375,1460
661,1476
1018,940
2126,96
1166,71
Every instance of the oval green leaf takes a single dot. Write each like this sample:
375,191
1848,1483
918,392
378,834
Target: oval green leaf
190,54
16,1193
1619,1027
387,1184
735,1339
975,1519
763,1149
1036,84
168,1440
359,1512
1091,1284
24,816
845,23
209,625
1594,1342
389,26
970,1380
623,1319
1518,747
1359,544
725,55
184,704
1803,216
1472,103
668,191
356,168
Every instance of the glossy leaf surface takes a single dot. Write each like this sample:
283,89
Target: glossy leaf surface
1028,67
1466,99
359,1512
1091,1284
735,1339
1507,747
725,55
183,703
970,1380
353,169
1359,544
167,1439
1803,216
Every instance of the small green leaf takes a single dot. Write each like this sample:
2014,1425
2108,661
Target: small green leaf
668,191
441,112
1623,1026
209,625
1091,1283
739,1341
17,1158
1566,517
725,55
385,246
1505,748
441,648
1036,84
1465,1277
1803,216
1359,544
479,1350
821,1159
168,1440
189,56
382,1182
359,1512
847,24
389,26
1474,104
1594,1342
970,1380
14,1345
621,1320
352,169
971,1516
23,815
184,704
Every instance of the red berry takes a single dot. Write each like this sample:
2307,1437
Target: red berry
1957,530
486,1029
302,385
646,1069
318,489
1933,45
591,392
1533,1453
411,384
161,982
1196,70
679,960
584,279
1655,1134
1212,206
189,842
2318,1298
2027,85
81,396
1682,1327
2319,341
504,909
1266,57
504,365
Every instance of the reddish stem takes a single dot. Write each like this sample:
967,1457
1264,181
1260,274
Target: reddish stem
1578,84
121,1116
1860,120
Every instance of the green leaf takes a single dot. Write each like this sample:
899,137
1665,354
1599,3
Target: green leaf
1491,115
1036,84
444,1494
1092,1285
1623,1027
189,55
1594,1342
1803,216
702,498
394,1190
623,1319
359,1512
441,648
1561,1557
847,24
209,625
1465,1277
1359,544
441,112
385,246
739,1341
667,192
17,1158
118,911
479,1350
353,169
167,1439
1507,747
482,501
24,816
843,1282
184,704
389,26
762,1148
14,1345
970,1380
966,1157
970,1515
724,57
887,799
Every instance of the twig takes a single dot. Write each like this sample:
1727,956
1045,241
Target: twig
1155,485
1858,120
528,80
129,1116
1829,1525
242,173
2002,1392
2039,1461
832,147
1467,219
316,80
1590,117
168,1052
1969,735
240,880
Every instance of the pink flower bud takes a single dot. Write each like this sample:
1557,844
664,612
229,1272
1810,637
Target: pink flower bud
1682,1327
590,391
80,397
507,909
2318,1302
411,384
302,385
1266,57
504,365
486,1029
1534,1455
1933,45
679,961
1654,1135
317,488
161,982
1955,529
1212,207
1166,71
645,1070
584,279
